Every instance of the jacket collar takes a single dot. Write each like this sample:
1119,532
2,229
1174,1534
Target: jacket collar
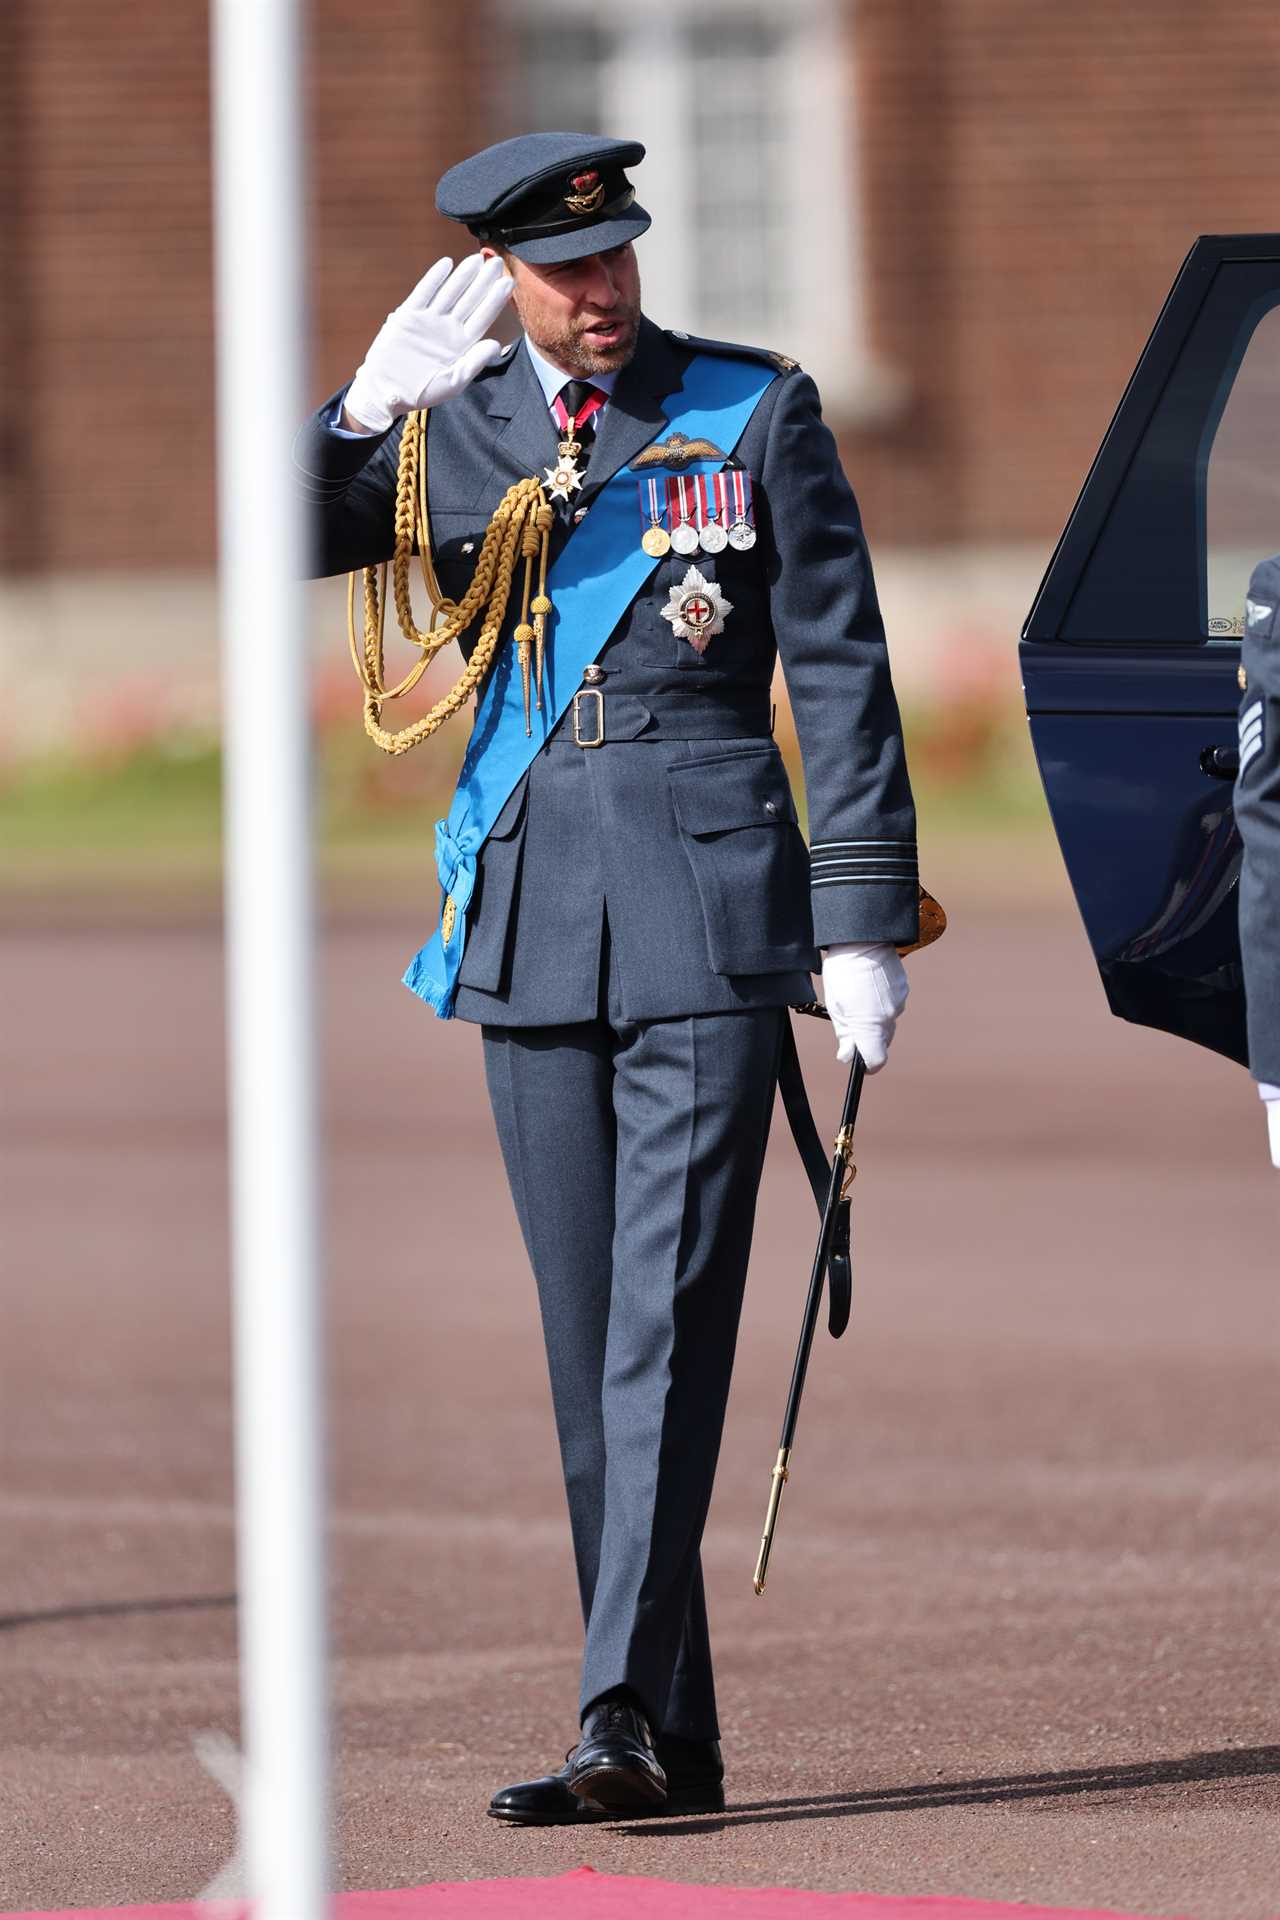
633,417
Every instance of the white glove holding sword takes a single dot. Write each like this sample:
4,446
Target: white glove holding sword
864,985
432,346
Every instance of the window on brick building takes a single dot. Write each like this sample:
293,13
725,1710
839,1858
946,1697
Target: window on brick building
1242,492
746,108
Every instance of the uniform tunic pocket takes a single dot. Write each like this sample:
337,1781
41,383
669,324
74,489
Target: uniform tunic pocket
749,860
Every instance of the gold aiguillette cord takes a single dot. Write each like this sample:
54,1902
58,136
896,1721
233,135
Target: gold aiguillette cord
520,529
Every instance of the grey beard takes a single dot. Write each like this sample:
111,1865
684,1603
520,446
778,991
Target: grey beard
569,351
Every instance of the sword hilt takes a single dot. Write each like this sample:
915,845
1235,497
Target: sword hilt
781,1474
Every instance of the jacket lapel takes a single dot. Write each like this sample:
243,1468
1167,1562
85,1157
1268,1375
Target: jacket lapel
529,438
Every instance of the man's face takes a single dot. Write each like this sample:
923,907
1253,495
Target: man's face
583,314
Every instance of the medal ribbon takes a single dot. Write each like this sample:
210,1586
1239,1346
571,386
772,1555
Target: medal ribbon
655,511
739,498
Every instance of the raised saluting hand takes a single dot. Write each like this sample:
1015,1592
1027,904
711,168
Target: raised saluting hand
433,345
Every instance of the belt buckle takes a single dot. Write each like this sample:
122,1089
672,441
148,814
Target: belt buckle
588,693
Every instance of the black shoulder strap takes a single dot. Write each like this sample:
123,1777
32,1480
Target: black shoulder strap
817,1164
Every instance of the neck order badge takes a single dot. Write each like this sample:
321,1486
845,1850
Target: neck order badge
591,585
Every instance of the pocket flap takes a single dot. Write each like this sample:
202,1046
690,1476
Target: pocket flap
735,790
509,819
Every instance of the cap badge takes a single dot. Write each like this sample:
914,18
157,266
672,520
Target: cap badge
696,609
588,192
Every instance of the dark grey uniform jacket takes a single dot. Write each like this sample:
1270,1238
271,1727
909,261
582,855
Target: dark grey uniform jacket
1258,818
682,833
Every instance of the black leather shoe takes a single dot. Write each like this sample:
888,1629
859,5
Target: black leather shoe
614,1763
695,1784
545,1802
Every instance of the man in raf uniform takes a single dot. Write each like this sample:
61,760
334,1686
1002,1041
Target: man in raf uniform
638,910
1257,809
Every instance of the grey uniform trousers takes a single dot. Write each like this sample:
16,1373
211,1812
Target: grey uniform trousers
634,1152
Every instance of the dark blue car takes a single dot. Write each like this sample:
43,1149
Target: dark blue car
1131,652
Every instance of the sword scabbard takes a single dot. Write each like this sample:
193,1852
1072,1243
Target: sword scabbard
781,1474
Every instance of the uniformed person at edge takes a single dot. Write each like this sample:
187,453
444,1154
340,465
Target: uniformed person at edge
1257,809
643,907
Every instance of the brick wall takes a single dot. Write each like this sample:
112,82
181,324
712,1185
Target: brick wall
1034,175
106,347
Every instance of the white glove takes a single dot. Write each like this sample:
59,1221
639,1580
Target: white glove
431,347
1272,1097
865,989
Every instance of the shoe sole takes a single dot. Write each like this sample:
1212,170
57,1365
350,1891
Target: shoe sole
620,1789
514,1819
676,1806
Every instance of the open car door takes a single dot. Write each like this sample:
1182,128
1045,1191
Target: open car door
1131,651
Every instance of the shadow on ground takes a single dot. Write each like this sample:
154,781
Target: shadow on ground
1195,1769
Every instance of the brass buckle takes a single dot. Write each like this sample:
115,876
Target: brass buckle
588,693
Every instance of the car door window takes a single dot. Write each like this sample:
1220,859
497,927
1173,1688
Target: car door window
1242,478
1145,580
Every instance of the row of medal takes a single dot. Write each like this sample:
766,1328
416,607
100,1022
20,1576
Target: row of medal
700,511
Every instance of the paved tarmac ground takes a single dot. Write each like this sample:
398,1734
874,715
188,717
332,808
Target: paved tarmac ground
1020,1634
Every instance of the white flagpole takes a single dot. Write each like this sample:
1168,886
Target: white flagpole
257,60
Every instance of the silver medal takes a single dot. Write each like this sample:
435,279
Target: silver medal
684,535
742,534
712,537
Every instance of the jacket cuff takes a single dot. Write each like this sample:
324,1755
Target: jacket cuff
864,890
327,461
890,914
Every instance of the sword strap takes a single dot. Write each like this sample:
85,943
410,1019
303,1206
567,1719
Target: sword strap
817,1165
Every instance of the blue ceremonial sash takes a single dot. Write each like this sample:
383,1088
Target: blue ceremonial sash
598,574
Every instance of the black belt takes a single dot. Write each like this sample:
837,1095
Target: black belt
599,716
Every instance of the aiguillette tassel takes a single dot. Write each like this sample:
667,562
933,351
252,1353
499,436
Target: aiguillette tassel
524,634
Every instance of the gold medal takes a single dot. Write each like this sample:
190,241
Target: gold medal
655,540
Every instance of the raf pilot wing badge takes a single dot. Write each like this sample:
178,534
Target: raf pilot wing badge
678,451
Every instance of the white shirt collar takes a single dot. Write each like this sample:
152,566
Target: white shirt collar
551,379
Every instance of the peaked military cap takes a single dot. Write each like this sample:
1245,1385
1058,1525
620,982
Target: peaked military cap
547,196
